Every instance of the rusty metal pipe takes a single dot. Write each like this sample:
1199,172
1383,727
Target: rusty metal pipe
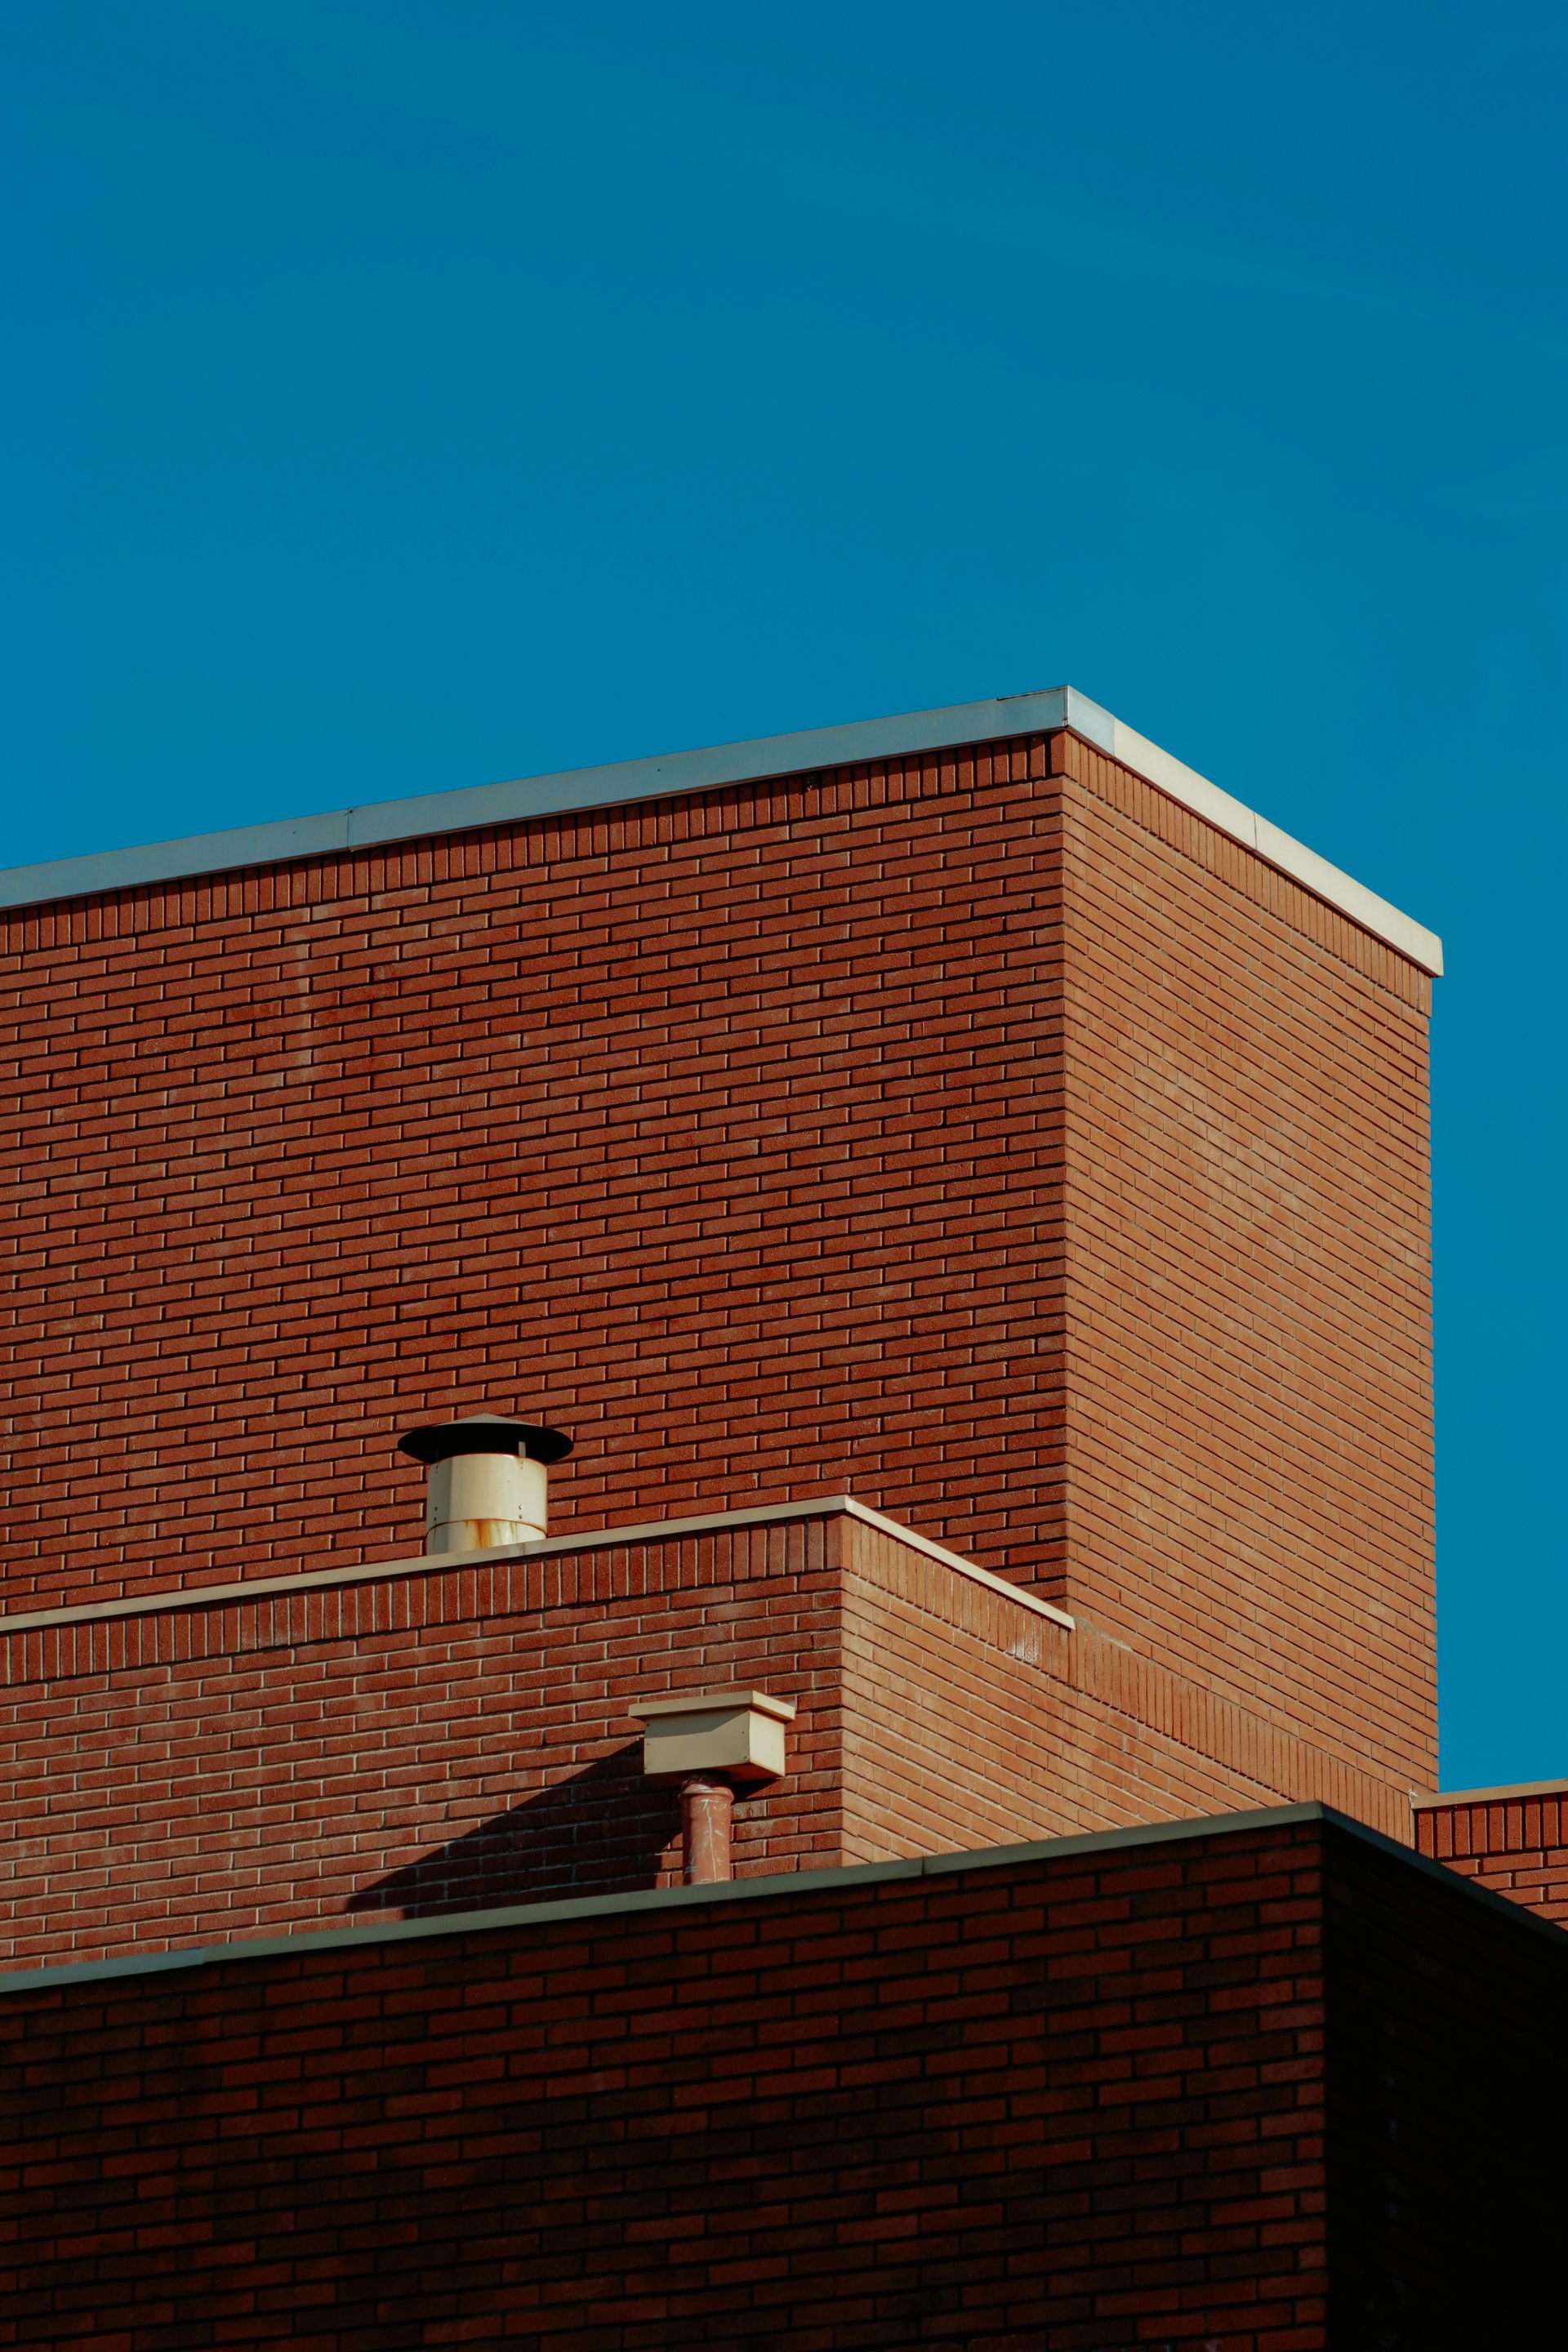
707,1808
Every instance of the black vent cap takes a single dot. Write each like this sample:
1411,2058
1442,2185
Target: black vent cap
486,1433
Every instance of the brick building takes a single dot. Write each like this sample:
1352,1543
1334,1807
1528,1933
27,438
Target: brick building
961,1182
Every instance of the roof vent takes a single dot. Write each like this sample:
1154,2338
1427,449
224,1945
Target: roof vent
707,1740
488,1477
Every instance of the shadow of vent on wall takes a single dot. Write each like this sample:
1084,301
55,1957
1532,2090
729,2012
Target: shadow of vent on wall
603,1831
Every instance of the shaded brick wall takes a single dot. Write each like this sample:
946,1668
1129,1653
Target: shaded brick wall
1447,2084
732,1133
1515,1842
463,1737
1268,2087
1078,2099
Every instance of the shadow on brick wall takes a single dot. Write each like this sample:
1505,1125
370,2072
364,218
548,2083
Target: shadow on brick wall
603,1831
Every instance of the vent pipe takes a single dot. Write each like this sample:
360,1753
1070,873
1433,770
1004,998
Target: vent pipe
707,1815
705,1742
488,1477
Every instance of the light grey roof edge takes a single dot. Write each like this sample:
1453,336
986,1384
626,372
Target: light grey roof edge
788,1885
248,1592
724,763
1509,1792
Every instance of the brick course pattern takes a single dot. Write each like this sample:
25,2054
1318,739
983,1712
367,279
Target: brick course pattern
981,1134
462,1736
1072,2098
437,1743
1515,1842
1078,2102
967,1723
1247,1377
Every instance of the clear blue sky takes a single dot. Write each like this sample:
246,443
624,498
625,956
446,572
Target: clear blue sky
403,396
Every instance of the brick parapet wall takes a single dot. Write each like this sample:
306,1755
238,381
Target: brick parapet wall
1022,1729
1263,2085
1514,1841
1010,2105
432,1743
464,1734
433,1591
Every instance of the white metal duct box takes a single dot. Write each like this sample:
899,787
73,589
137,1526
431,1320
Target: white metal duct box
737,1732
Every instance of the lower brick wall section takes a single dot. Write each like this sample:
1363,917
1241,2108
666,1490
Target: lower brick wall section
464,1737
1447,2081
1073,2100
970,1734
449,1740
1514,1841
968,1721
1264,2085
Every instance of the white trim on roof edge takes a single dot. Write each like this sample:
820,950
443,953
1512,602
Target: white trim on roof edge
169,1598
724,763
1512,1792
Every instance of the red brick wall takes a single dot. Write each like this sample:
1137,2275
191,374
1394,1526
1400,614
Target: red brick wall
445,1742
729,1132
1249,1412
463,1737
1271,2089
1077,2101
968,1722
720,1130
1515,1842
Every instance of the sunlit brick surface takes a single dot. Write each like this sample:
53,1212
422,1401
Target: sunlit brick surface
722,1133
464,1737
1249,1372
1516,1843
983,1135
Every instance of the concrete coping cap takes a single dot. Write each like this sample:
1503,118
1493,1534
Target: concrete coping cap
711,1702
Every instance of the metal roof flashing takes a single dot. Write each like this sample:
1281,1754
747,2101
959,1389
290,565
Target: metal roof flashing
669,1904
726,764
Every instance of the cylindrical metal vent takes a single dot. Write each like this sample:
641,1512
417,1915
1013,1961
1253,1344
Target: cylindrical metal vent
488,1480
